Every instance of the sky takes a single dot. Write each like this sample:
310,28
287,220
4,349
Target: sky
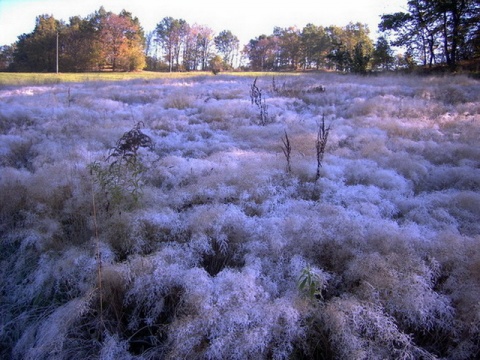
246,19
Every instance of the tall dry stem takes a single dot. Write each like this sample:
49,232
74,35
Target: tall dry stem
98,256
257,99
320,144
287,151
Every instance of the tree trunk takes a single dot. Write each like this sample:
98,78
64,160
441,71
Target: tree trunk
445,39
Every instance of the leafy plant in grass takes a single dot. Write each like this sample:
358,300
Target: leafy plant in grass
311,283
121,178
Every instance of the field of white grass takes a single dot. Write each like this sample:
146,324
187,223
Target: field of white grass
202,245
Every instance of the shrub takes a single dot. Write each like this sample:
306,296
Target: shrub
122,179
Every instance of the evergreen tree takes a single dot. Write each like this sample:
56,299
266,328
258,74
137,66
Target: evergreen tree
315,45
360,59
78,50
6,57
289,47
436,30
37,51
383,55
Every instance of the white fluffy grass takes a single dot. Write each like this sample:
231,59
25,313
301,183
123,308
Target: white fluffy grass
206,264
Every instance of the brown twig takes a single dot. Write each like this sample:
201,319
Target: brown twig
287,151
320,144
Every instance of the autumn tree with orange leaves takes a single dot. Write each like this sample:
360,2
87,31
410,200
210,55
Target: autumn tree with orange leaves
120,39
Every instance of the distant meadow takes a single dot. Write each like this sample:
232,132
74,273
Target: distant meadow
188,217
13,79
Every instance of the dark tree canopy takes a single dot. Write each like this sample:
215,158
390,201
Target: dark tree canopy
436,31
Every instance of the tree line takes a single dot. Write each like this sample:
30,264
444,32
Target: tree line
431,32
345,49
102,40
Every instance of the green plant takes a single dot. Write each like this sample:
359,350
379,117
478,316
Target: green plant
310,282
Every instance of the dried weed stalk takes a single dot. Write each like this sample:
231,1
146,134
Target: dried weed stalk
255,93
257,99
122,179
282,91
287,151
98,256
127,146
320,144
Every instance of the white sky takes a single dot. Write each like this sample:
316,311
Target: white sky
246,19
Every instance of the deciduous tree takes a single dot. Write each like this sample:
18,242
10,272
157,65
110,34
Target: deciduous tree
121,42
351,47
227,44
171,34
204,45
78,46
261,52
